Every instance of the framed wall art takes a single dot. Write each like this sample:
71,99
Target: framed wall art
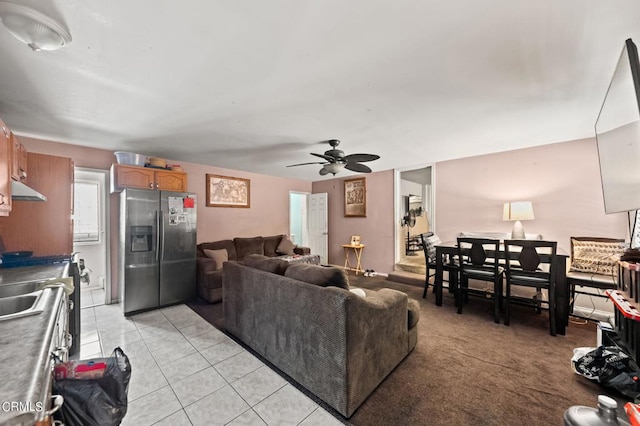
355,197
226,191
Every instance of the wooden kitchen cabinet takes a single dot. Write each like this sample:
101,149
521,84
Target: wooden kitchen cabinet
45,227
18,160
5,169
125,176
23,164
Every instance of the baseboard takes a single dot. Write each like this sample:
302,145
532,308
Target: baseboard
591,313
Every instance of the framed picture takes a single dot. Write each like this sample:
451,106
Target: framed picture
226,191
355,240
355,197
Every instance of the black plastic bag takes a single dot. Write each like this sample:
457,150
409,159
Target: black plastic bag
99,401
610,366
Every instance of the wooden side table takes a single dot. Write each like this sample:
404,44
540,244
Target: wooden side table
358,252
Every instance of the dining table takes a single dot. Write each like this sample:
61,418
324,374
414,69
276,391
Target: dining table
447,251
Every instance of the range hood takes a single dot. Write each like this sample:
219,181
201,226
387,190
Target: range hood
21,192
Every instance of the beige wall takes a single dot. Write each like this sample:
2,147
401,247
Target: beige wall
268,214
562,180
376,230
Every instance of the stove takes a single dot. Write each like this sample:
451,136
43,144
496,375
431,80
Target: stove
17,262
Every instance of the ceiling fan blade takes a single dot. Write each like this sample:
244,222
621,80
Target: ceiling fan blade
326,157
305,164
324,171
361,158
357,167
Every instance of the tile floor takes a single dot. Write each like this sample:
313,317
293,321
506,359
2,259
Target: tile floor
92,297
187,372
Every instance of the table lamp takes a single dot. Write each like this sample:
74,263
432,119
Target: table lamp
518,210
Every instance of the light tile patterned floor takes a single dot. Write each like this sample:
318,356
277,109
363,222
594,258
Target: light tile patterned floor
92,297
186,372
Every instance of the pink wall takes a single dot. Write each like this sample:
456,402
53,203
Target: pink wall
376,230
268,214
561,179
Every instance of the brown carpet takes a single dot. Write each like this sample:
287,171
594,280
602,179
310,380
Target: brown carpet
468,370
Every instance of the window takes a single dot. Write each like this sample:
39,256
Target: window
86,218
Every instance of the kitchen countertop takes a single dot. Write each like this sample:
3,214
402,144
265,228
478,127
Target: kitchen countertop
33,273
25,342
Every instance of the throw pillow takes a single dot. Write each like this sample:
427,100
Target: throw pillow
286,246
596,256
220,256
265,263
271,245
324,276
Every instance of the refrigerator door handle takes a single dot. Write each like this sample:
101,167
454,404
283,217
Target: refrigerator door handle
161,233
157,236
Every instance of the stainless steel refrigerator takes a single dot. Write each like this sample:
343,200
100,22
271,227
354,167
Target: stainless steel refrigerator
157,248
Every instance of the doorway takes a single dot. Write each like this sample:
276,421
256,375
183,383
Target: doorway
414,216
90,235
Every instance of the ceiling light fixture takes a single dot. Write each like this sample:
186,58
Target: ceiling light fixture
333,168
33,28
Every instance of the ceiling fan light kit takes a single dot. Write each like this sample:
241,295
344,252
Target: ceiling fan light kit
32,27
335,160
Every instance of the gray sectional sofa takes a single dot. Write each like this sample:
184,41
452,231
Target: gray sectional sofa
332,341
209,270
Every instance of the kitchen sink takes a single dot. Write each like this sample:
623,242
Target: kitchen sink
22,305
19,289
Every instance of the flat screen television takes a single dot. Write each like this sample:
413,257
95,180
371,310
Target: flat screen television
618,135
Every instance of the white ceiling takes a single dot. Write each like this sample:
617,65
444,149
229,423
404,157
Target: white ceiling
255,85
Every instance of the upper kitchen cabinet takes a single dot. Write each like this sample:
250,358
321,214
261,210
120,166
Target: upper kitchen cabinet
125,176
5,169
18,160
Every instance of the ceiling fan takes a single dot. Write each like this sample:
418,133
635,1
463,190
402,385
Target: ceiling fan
335,160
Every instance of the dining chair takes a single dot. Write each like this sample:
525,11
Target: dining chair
531,263
429,242
479,260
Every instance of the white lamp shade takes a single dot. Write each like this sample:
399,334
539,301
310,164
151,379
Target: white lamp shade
518,210
33,28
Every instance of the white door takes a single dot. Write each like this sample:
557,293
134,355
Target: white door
90,235
318,225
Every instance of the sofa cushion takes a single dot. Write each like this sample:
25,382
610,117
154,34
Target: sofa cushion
596,255
271,245
217,245
247,246
286,246
220,256
323,276
268,264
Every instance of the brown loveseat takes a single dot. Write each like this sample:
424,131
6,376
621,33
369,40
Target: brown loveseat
337,344
209,270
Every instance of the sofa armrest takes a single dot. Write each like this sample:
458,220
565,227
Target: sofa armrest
206,264
379,320
302,250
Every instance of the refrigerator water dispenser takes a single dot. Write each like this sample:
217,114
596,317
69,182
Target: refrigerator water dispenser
141,238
